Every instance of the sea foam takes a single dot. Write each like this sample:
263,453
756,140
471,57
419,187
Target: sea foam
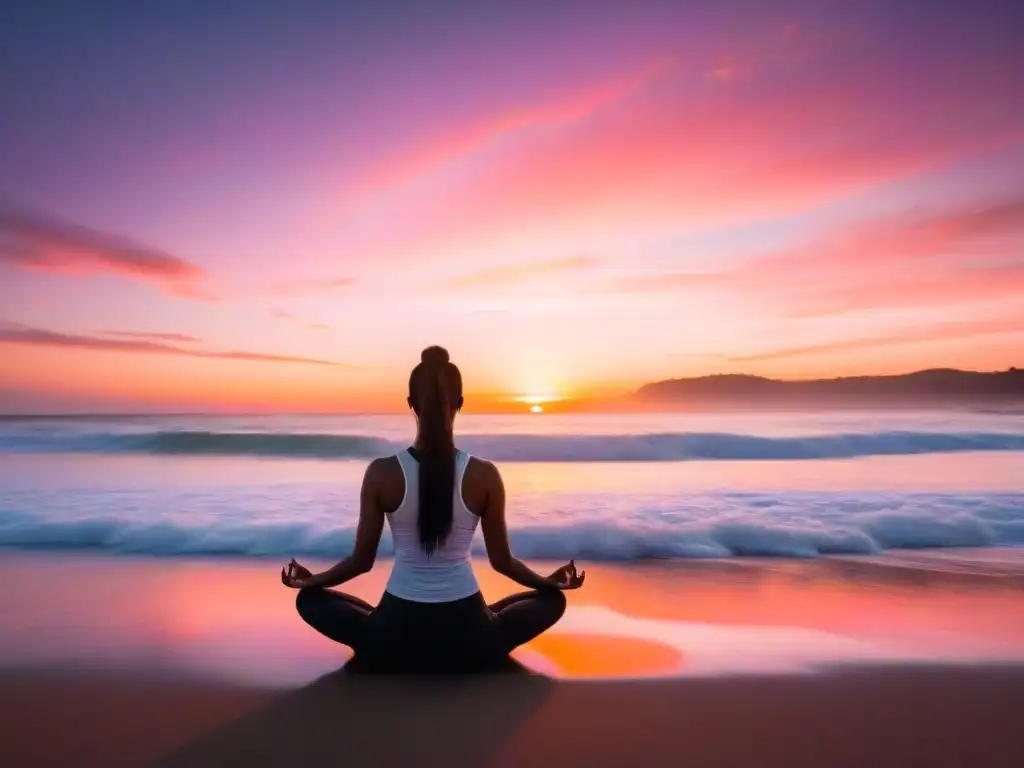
712,525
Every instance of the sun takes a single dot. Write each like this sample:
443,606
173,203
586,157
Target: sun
536,403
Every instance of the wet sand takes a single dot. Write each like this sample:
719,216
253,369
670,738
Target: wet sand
124,661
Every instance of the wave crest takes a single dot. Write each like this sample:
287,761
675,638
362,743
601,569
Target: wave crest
683,446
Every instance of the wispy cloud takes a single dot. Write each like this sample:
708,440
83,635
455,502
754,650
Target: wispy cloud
567,109
288,317
174,338
936,332
661,282
956,256
956,285
788,140
34,241
305,287
26,335
973,254
525,271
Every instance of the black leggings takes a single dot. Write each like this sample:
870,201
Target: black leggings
401,635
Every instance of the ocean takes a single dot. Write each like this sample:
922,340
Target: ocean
593,487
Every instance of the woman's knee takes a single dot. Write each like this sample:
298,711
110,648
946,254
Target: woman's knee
307,600
556,603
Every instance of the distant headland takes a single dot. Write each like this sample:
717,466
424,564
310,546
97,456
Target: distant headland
940,387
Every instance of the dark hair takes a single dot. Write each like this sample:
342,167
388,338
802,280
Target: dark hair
435,394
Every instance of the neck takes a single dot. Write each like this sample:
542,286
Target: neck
418,443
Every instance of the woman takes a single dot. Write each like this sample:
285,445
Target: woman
432,616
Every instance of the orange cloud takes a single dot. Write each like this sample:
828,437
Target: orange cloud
38,337
182,338
45,243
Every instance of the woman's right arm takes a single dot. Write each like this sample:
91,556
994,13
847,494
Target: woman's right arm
495,531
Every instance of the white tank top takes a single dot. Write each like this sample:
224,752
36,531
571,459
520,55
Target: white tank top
448,573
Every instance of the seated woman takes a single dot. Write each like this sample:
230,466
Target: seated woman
432,616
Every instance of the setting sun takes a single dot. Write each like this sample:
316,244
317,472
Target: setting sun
539,399
536,409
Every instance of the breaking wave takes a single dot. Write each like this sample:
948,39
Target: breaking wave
801,525
684,446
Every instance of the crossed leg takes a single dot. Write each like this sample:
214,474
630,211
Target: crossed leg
345,618
525,615
342,617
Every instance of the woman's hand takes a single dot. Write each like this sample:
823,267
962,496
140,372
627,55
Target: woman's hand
295,576
567,578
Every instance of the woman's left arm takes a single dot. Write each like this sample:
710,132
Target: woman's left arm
368,532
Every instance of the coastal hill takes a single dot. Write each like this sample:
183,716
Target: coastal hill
936,387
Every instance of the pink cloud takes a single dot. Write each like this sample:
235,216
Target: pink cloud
969,284
38,337
45,243
466,140
972,254
946,258
682,152
320,285
662,282
288,317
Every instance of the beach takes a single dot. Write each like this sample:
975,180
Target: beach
762,589
730,295
902,661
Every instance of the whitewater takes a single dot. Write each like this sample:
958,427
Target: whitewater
622,487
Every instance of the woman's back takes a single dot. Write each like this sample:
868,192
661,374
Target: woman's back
446,574
432,616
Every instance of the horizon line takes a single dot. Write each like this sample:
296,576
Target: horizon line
508,400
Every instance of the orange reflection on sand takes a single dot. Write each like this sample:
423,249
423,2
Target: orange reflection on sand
579,655
852,598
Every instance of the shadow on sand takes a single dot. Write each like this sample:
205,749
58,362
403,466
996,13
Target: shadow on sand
354,718
935,716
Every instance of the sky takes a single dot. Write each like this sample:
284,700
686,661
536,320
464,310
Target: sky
249,206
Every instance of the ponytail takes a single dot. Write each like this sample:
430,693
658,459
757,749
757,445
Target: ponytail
434,383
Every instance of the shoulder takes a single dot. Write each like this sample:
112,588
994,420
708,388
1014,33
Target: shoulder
482,471
481,485
385,482
383,470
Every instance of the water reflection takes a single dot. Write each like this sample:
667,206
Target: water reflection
233,619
